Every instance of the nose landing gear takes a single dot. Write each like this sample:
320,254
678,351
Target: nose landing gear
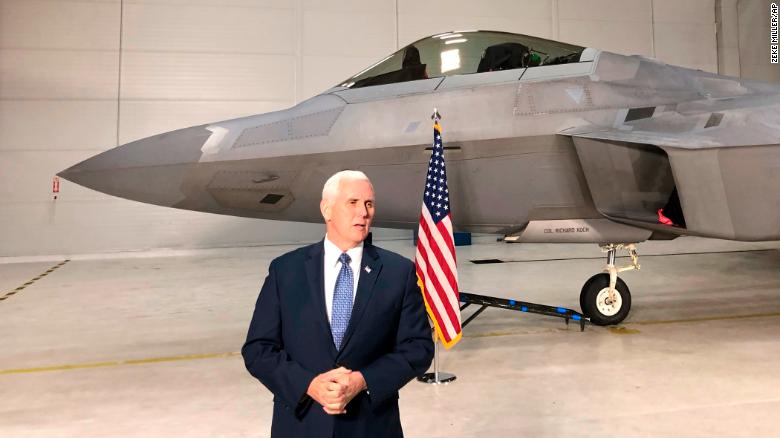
605,298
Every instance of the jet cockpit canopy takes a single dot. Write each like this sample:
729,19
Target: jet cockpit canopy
458,53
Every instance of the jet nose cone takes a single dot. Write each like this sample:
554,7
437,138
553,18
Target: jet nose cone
149,170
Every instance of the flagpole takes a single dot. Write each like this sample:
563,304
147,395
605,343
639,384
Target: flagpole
436,377
436,361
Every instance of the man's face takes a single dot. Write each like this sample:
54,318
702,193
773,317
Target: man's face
348,216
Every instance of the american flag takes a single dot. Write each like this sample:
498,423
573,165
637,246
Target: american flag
437,273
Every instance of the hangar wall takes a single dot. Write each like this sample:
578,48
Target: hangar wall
754,40
80,76
743,33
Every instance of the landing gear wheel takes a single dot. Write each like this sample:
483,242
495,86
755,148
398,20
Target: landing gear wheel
585,287
595,303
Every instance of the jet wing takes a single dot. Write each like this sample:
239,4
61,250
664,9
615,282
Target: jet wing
709,123
719,157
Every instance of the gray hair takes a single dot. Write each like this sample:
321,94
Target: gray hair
331,188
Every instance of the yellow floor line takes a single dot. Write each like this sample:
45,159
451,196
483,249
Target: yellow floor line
706,318
116,363
623,329
514,333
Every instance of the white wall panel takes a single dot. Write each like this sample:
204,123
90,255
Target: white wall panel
62,74
341,38
618,26
685,33
628,38
754,28
26,176
321,72
116,225
57,125
605,11
273,4
754,25
416,19
687,11
468,8
86,1
727,28
207,76
144,118
215,28
364,34
687,44
350,6
57,24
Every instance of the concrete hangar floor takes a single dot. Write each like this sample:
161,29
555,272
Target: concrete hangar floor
147,345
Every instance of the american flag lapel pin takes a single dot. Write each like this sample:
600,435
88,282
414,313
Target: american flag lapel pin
367,269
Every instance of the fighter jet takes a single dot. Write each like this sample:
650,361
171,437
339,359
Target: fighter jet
545,142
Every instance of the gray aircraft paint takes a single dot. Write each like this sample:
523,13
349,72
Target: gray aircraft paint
601,142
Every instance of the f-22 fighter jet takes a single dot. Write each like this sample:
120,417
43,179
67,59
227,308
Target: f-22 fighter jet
546,142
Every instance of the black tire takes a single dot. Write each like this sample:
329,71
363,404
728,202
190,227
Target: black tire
582,294
589,300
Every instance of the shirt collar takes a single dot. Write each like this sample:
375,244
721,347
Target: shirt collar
332,252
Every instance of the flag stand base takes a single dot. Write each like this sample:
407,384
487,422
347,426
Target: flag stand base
442,379
436,377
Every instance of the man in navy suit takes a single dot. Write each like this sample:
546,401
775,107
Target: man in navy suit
339,326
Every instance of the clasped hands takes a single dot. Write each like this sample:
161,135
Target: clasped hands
334,389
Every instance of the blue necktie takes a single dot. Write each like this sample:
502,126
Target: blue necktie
342,301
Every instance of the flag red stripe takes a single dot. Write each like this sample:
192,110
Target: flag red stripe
435,278
433,308
445,234
449,297
442,242
441,322
442,296
445,267
451,263
432,297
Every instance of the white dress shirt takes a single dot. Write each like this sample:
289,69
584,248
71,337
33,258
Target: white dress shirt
333,266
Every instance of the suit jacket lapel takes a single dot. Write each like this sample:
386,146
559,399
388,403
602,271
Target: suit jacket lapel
370,267
315,266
